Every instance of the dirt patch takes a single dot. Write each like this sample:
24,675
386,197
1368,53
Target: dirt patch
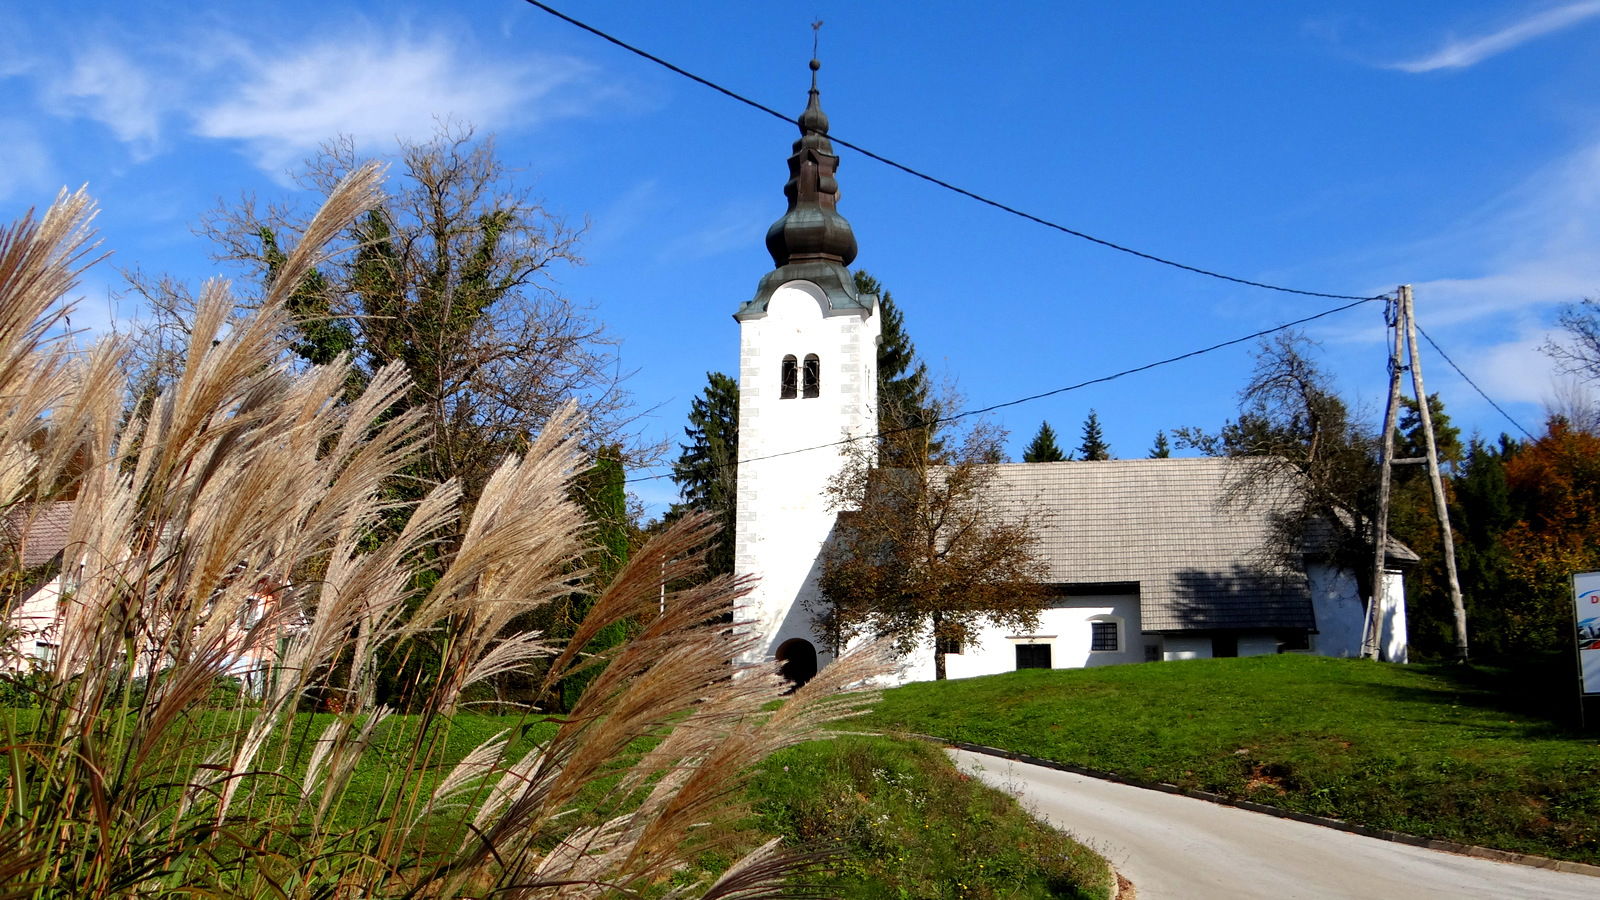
1264,779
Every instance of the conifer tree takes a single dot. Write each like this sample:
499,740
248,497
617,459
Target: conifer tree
1094,446
707,471
1485,509
1043,448
906,414
1161,449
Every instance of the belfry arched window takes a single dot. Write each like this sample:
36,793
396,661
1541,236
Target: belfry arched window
790,379
813,376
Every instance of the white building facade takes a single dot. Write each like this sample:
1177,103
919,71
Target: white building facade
808,376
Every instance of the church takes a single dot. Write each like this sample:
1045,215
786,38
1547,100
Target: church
1144,563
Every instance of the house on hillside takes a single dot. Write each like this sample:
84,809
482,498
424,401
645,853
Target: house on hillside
1145,562
36,536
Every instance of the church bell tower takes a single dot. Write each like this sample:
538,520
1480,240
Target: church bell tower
808,377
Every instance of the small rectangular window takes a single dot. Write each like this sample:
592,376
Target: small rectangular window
812,382
1103,636
1152,653
1033,656
949,645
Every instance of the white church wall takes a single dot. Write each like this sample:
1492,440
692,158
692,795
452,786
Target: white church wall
1340,611
1067,627
1336,602
1179,647
783,512
1392,635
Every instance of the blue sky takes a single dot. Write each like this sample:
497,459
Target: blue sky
1335,146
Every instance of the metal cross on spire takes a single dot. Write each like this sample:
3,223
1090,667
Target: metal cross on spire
816,34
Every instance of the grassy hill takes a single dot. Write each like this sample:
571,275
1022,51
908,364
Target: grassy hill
887,817
900,821
1470,755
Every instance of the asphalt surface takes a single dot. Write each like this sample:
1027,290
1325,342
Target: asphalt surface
1178,848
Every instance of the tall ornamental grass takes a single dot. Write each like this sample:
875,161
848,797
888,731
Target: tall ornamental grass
242,517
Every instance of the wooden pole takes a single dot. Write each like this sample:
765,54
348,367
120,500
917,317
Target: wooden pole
1380,540
1408,315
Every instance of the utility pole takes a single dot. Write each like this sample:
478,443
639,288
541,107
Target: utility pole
1404,323
1370,627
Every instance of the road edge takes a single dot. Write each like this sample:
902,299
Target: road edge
1399,837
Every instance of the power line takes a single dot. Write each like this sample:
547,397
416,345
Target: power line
931,179
1051,393
1038,220
1474,385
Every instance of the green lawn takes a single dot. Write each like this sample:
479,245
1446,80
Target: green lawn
901,820
1469,755
906,824
894,815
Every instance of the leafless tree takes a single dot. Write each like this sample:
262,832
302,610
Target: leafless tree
1579,354
1315,462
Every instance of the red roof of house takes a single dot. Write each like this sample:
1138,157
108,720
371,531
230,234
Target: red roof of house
39,531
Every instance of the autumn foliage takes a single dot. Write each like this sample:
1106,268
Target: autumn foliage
926,550
1555,486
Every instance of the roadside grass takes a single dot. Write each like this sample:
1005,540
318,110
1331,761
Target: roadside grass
906,824
895,816
1462,754
898,818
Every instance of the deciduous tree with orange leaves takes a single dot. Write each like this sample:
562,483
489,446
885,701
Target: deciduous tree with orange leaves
1555,486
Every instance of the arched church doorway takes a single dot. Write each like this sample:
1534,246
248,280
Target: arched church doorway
797,661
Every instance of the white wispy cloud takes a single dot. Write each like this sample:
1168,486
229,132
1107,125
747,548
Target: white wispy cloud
1488,288
1532,248
278,97
1459,53
1515,370
106,85
377,88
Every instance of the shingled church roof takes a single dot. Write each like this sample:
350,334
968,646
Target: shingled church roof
1200,564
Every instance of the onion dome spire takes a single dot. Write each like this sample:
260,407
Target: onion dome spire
811,242
812,228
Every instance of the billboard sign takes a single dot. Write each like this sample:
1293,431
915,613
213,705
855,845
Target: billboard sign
1586,606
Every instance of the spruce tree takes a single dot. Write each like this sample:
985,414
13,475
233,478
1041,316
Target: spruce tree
1161,449
1485,508
1043,448
1094,446
707,470
907,416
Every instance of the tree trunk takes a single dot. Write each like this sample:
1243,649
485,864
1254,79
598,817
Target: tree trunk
938,645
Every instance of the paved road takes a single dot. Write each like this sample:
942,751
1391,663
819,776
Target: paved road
1177,847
